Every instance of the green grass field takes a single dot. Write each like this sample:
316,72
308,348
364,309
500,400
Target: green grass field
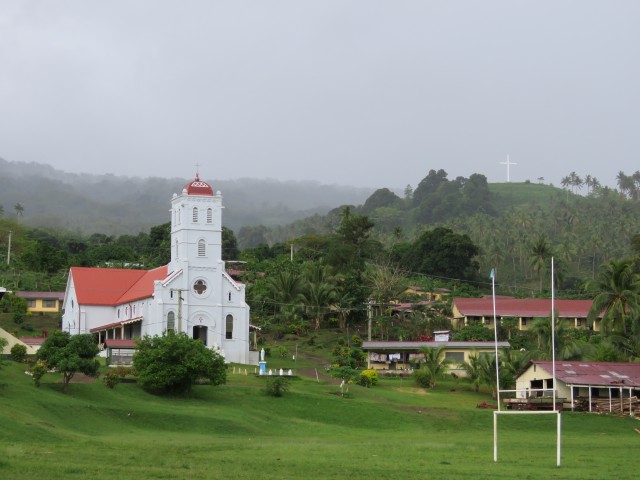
235,431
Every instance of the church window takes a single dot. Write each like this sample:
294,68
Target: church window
176,248
118,313
195,214
178,221
202,248
229,296
171,322
200,287
209,215
229,334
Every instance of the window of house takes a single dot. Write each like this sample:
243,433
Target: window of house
229,334
487,321
524,322
49,303
209,215
579,323
171,322
31,303
456,358
202,248
195,214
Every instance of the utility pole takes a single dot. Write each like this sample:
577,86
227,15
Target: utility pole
370,317
179,290
9,248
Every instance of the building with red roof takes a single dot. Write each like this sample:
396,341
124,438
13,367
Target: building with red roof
467,311
192,294
618,383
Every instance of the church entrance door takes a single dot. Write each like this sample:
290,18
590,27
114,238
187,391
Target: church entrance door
200,333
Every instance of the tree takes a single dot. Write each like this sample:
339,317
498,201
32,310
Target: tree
347,374
19,210
69,355
173,362
230,249
539,256
441,252
617,288
473,370
433,367
3,343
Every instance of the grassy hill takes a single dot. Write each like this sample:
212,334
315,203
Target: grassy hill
509,195
235,431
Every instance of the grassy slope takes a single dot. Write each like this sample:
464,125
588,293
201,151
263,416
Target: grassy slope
235,431
38,322
510,195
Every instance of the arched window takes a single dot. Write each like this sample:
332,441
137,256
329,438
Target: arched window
229,334
176,248
229,296
202,248
195,214
209,215
178,222
171,322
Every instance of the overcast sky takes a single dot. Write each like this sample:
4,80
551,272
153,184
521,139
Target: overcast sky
364,93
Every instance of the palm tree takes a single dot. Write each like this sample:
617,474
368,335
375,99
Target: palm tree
435,363
19,210
318,291
617,296
473,369
566,347
539,256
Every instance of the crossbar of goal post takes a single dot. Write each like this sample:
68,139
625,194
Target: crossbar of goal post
498,390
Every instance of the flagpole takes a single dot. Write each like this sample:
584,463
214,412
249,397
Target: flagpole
495,332
553,332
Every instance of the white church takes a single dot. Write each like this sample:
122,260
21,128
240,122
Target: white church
192,294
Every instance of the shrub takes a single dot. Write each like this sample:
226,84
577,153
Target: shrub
38,370
277,386
423,378
18,318
114,376
368,378
173,362
28,327
283,351
18,352
356,341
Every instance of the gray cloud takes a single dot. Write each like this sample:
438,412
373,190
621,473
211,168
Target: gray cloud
367,93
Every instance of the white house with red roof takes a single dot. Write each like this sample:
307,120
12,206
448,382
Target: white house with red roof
467,311
192,294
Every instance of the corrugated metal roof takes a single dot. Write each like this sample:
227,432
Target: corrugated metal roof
594,373
114,286
521,307
43,295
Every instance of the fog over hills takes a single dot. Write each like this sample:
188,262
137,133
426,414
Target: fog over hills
117,205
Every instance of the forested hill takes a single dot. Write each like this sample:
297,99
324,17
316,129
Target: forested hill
123,205
517,226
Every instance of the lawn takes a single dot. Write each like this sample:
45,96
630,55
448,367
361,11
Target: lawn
235,431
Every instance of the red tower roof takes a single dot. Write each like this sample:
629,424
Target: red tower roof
198,187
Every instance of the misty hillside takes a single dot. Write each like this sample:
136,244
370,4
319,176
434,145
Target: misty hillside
117,205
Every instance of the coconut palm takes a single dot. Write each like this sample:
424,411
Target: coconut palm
539,256
318,291
473,369
435,363
617,297
19,210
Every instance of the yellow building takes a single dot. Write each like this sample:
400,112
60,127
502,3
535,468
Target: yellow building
43,302
403,355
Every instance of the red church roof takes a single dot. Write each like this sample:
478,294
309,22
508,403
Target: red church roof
113,286
198,187
521,307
